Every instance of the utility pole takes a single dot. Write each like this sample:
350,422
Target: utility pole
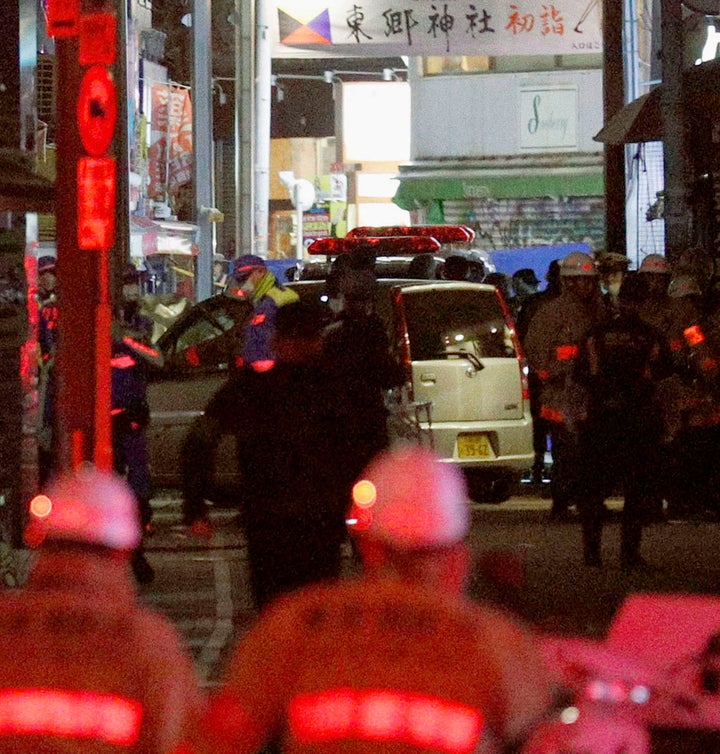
86,39
203,145
614,101
244,122
263,107
678,171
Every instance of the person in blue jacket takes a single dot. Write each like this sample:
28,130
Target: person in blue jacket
253,280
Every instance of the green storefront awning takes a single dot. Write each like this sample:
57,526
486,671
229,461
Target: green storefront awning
418,191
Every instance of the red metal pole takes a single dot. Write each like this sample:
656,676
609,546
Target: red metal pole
103,454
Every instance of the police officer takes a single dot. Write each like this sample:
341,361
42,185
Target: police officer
552,346
397,660
252,280
356,348
130,417
293,455
83,666
621,359
46,298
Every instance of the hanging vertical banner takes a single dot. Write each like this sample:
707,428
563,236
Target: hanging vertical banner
171,149
432,27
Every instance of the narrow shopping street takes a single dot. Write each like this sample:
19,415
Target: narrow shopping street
204,589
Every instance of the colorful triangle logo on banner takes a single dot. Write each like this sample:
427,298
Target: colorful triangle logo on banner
314,32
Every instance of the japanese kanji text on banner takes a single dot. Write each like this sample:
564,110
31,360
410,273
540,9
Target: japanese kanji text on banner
429,27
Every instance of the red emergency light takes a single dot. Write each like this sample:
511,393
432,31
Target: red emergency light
443,233
62,17
383,246
96,202
97,110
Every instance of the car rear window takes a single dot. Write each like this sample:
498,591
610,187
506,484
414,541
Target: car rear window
443,321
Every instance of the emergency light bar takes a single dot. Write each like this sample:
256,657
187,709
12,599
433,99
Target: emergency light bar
383,246
443,233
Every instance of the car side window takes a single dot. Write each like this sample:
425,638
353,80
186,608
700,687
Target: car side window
201,330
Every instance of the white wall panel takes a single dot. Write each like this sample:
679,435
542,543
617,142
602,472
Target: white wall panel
479,116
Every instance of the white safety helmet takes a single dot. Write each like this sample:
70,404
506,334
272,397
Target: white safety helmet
408,499
683,285
655,264
577,264
87,506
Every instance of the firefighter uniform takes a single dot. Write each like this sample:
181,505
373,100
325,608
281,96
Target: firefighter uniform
552,346
395,661
84,667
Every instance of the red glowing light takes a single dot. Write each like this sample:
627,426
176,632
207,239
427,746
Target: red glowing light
98,39
40,506
192,356
62,18
359,519
97,110
123,361
96,202
566,352
263,365
140,347
381,246
694,335
70,714
364,493
258,319
443,233
385,715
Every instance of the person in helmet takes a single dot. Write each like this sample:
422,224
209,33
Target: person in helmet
654,270
253,281
530,306
85,667
396,660
612,268
691,402
552,345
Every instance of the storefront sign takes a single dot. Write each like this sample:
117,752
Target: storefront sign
316,225
62,18
548,118
429,27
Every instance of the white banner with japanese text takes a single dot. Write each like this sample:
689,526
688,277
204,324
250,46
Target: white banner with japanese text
381,28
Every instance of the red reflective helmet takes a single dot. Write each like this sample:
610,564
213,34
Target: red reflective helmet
408,499
90,506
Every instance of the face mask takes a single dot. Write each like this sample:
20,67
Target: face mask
614,288
336,304
248,287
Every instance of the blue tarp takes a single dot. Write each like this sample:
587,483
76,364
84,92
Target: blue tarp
279,267
537,258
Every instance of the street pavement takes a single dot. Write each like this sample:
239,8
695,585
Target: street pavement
522,561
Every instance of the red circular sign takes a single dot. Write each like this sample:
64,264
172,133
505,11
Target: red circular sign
97,110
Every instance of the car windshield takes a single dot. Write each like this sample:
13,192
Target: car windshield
448,322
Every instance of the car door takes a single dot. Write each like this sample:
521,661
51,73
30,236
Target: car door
198,351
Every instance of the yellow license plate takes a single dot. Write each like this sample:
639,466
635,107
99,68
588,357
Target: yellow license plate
474,446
